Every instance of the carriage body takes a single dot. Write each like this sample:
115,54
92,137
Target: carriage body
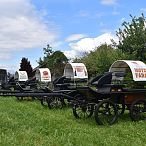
111,98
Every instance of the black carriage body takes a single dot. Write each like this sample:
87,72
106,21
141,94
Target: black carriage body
108,95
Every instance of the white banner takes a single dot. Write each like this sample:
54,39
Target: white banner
76,71
43,75
80,72
138,68
21,76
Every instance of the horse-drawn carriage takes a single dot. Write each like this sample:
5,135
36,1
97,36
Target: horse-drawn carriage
109,99
64,88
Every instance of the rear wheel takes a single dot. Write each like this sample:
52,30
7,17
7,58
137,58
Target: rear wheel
19,98
56,102
106,113
138,110
44,101
83,110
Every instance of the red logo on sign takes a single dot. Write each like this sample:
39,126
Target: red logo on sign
45,73
79,69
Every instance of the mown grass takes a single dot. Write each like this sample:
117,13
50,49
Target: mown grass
28,123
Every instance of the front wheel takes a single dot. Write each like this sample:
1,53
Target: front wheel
106,113
138,110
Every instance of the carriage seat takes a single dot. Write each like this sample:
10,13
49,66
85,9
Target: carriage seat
61,82
31,82
103,82
20,86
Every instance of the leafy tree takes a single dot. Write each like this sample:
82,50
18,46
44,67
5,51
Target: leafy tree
132,38
47,52
100,60
54,60
26,66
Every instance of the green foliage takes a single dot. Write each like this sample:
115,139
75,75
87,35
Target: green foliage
130,83
30,124
132,38
100,60
54,60
26,66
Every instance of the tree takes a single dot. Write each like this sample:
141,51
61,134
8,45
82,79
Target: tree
100,60
132,38
26,66
47,52
54,60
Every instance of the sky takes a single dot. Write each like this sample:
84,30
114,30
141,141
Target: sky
72,26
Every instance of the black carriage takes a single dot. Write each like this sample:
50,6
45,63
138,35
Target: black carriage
110,97
17,83
64,88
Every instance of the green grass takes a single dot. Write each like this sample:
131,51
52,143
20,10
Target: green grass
28,123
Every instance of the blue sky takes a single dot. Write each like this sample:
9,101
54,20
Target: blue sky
72,26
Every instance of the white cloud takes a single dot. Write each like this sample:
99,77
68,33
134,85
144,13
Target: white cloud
22,27
108,2
71,53
83,45
89,44
143,9
75,37
3,56
83,14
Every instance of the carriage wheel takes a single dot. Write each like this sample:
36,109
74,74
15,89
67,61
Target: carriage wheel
44,101
55,102
19,98
138,110
83,111
106,113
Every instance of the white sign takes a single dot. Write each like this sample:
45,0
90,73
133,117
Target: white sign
76,71
43,75
21,76
80,71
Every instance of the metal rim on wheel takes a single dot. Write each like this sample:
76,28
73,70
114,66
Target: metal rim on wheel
83,110
138,110
106,113
55,102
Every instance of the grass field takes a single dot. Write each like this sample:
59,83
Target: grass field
28,123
